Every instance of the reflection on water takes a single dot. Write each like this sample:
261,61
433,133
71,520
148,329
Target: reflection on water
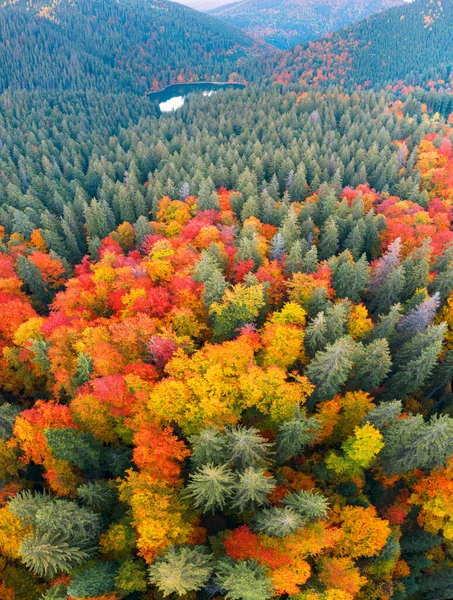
173,96
172,104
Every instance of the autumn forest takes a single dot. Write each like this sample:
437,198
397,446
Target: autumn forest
226,333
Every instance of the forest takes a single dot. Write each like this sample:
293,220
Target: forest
226,333
228,378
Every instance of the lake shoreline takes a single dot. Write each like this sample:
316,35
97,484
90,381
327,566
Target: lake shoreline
195,83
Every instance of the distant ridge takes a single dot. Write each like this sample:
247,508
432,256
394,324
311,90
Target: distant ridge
285,23
109,45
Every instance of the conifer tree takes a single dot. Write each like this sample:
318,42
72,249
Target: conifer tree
244,580
330,369
181,570
252,489
295,435
210,487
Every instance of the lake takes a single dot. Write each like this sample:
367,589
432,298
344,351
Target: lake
173,96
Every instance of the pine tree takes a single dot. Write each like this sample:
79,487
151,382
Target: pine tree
384,414
278,522
294,436
98,496
373,363
310,261
95,580
316,334
311,506
331,368
48,554
420,317
415,361
246,447
8,414
244,580
277,247
210,487
181,570
328,240
414,443
416,268
252,489
208,447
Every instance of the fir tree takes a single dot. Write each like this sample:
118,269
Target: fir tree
278,522
294,436
245,580
246,447
330,369
181,570
252,489
210,487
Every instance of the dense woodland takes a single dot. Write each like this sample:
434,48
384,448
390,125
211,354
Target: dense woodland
404,48
286,23
82,45
226,334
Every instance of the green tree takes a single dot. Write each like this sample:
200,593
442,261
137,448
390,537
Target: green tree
181,570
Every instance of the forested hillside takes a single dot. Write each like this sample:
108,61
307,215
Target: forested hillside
404,47
113,46
242,393
226,333
286,23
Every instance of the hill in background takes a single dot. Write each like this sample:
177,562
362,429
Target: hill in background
405,47
114,46
285,23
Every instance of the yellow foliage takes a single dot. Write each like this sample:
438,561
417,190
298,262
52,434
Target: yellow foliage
11,533
359,322
157,514
283,345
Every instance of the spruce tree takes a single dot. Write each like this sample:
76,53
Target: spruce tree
331,368
181,570
244,580
210,487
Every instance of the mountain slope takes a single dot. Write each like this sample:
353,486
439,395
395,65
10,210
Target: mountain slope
285,23
406,46
113,45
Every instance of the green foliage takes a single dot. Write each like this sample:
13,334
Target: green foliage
97,495
245,580
294,436
181,570
279,522
210,487
131,577
246,447
8,414
77,447
330,369
93,580
48,554
311,506
208,447
252,488
412,442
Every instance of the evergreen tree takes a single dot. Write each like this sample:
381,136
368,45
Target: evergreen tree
246,447
94,580
311,506
278,522
181,570
330,369
414,443
295,435
415,361
252,489
328,239
210,487
244,580
208,447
